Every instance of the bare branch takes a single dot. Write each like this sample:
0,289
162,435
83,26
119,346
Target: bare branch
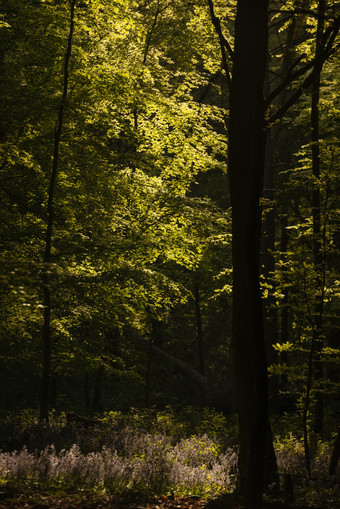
289,79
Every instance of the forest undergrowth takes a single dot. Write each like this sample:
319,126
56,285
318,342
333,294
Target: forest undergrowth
144,454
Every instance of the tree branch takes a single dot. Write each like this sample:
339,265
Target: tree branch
289,79
317,67
224,44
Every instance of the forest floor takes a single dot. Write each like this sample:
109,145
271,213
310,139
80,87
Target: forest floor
100,502
26,501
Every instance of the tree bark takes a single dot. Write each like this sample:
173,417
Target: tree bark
46,374
246,166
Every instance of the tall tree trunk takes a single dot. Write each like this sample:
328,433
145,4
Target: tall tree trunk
46,374
246,166
316,204
316,341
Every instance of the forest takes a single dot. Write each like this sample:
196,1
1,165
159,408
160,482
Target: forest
169,241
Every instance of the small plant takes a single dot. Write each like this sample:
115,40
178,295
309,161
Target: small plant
289,454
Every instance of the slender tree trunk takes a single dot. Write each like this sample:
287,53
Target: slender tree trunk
268,243
306,407
148,374
53,396
268,227
86,387
199,330
335,455
317,241
316,341
285,307
97,405
46,374
246,166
